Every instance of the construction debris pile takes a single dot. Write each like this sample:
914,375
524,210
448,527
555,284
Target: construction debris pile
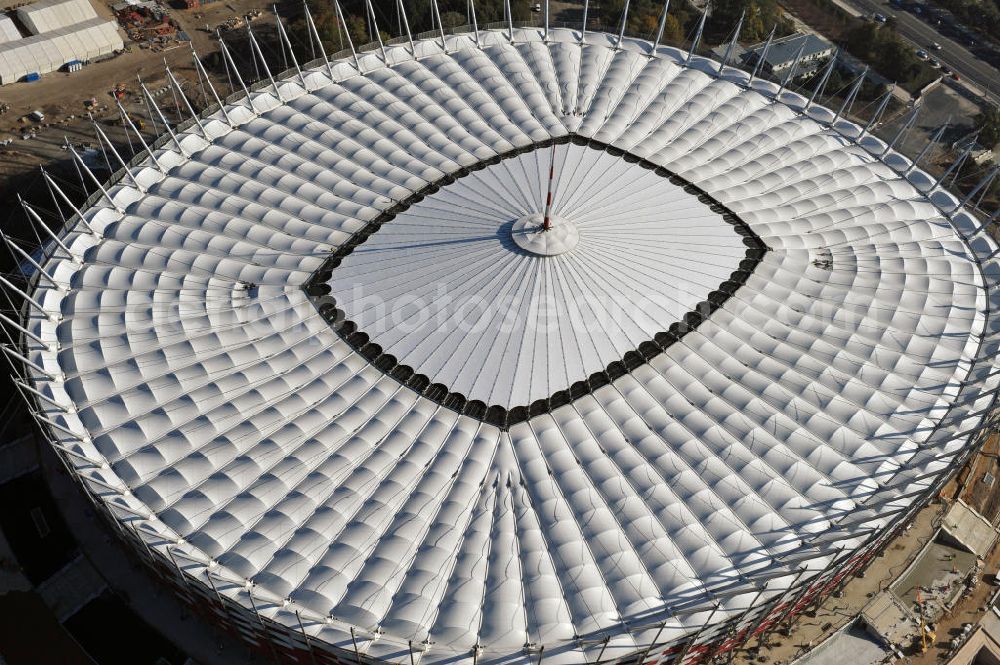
236,22
148,25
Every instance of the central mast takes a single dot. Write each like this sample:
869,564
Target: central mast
546,221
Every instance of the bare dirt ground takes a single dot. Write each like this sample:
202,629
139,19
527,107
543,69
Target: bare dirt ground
834,613
60,96
809,630
973,485
981,488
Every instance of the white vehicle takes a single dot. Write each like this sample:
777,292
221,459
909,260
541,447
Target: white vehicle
936,46
37,115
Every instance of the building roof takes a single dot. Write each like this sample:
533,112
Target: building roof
48,15
890,620
970,529
981,646
8,30
854,643
50,51
237,415
782,51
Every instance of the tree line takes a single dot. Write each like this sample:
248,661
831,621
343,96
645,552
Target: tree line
643,19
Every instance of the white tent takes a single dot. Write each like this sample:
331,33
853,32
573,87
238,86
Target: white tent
49,15
8,31
50,51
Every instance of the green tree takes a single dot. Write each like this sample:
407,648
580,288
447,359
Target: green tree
453,19
989,126
673,33
862,39
897,61
357,27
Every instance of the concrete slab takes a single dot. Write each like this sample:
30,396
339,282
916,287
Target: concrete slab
969,529
938,575
71,588
852,645
890,620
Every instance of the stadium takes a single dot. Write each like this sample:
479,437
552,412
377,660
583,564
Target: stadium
521,344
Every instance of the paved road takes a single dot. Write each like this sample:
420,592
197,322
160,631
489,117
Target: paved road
969,67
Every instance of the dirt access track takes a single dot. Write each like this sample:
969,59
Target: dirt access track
60,94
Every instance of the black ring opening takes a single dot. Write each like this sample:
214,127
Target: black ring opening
318,292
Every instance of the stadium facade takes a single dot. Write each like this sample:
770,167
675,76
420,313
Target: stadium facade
317,360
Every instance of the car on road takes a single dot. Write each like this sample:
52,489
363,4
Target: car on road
936,46
935,63
922,54
879,18
945,70
955,76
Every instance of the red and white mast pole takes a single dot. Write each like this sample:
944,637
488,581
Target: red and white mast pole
546,221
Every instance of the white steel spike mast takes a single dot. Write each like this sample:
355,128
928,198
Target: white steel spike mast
659,28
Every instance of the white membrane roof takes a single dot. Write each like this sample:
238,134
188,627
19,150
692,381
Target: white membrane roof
48,15
215,409
443,288
8,31
51,50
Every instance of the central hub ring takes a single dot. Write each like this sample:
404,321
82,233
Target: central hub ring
529,234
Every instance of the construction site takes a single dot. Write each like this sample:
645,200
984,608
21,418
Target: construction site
921,586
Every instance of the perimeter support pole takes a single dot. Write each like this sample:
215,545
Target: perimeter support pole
406,26
437,16
660,28
354,641
315,35
694,638
849,101
697,36
656,638
930,144
347,33
732,42
821,84
763,617
621,32
911,118
757,66
305,636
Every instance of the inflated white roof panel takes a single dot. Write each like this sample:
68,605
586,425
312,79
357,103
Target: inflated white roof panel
815,399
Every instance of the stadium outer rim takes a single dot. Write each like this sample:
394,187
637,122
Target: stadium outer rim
712,640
